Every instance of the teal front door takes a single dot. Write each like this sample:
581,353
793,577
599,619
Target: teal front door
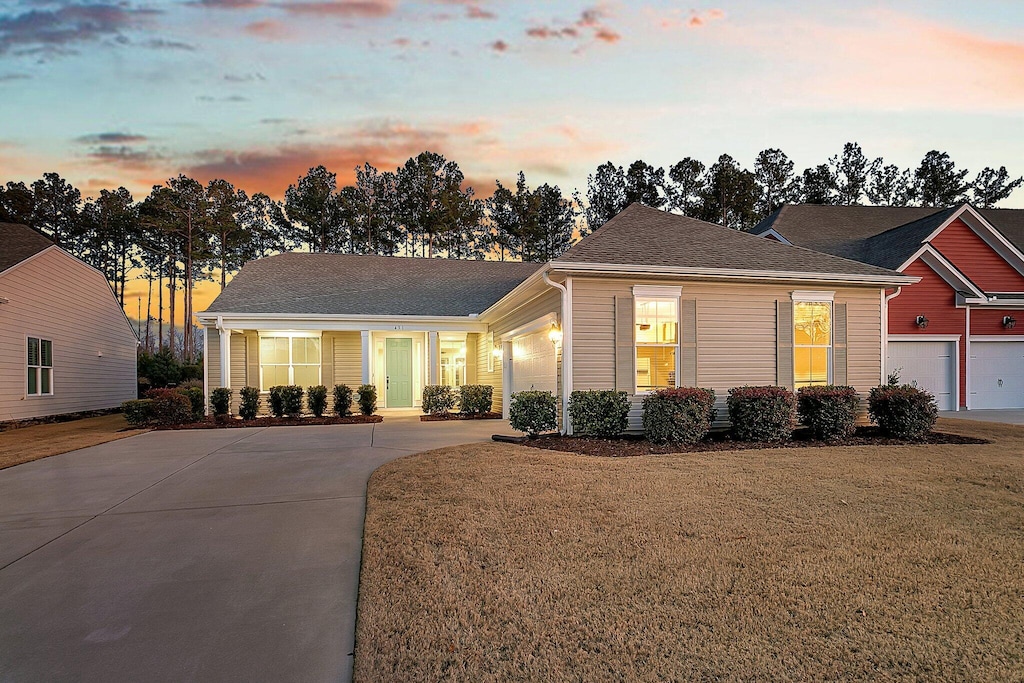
398,365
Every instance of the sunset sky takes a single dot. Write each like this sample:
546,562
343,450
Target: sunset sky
133,92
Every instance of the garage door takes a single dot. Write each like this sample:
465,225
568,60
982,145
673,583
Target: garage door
533,363
927,365
997,375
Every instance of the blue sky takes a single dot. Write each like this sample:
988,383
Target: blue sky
256,91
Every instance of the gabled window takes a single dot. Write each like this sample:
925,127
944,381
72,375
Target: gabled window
40,367
656,336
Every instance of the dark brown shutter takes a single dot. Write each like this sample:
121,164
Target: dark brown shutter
625,376
688,343
839,340
784,337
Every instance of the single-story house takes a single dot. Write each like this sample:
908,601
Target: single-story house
65,343
649,300
954,332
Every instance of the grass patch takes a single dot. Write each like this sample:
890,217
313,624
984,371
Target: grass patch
24,444
497,562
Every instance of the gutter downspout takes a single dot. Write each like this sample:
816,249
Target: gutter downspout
886,298
566,320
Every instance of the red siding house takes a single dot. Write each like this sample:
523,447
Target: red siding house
955,331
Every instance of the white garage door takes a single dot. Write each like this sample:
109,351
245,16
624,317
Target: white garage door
997,375
533,363
927,365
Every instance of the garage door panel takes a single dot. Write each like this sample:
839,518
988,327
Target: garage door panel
927,365
534,366
997,375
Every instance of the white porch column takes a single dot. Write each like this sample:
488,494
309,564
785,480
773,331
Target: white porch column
366,356
225,358
506,378
433,358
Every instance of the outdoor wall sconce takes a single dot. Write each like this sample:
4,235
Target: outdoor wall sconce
1009,322
496,352
921,321
555,334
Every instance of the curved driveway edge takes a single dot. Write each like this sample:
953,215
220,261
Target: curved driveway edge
208,555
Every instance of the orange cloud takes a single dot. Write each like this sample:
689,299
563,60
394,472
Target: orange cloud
341,8
269,29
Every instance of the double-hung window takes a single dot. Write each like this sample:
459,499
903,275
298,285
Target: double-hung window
812,343
40,367
289,359
656,335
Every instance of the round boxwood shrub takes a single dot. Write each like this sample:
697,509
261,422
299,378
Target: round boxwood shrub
138,413
291,395
533,412
475,399
902,412
599,413
682,415
761,413
316,399
220,401
367,399
830,412
277,401
250,403
342,400
170,407
438,399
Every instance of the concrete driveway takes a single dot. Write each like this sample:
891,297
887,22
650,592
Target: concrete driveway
218,555
1013,416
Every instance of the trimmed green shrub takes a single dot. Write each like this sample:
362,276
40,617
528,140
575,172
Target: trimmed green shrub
250,403
196,399
342,400
438,399
291,394
533,412
903,412
220,401
138,413
170,407
683,415
367,399
316,399
761,413
830,412
599,413
277,401
475,399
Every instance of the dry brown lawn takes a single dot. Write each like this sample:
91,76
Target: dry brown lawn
496,562
25,444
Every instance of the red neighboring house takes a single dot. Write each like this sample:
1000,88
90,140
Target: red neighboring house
955,332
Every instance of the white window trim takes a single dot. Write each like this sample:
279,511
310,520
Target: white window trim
831,336
272,334
667,293
813,296
38,394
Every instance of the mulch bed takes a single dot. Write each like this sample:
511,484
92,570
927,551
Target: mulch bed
277,422
633,446
460,416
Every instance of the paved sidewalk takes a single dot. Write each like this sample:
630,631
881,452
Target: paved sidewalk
214,555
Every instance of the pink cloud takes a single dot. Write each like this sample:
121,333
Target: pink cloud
269,29
342,8
499,46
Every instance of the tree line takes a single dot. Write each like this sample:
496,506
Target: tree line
184,231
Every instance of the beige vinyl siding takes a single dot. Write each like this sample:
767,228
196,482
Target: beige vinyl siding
481,342
736,333
212,358
57,297
347,349
239,361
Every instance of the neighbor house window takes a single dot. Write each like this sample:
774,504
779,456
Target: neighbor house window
40,367
289,359
453,363
812,342
656,335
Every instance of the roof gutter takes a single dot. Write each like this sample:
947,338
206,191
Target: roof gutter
733,273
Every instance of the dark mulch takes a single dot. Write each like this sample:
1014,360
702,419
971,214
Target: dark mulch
211,423
628,446
460,416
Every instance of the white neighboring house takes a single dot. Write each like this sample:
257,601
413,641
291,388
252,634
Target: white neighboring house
66,345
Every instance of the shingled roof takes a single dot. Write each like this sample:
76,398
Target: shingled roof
19,242
642,236
884,236
345,284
